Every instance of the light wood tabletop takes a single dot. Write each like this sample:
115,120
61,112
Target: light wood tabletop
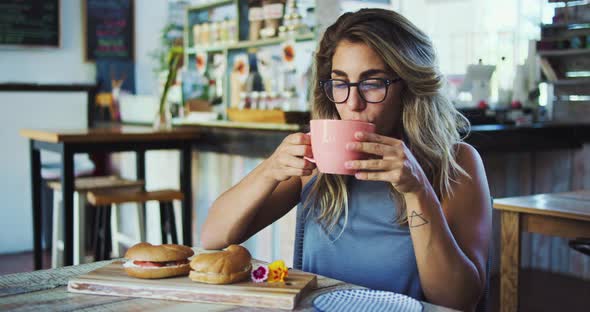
570,205
109,134
556,214
46,290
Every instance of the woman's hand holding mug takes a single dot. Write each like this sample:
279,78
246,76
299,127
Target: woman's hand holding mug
394,163
287,160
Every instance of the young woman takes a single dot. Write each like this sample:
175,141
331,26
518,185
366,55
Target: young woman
416,218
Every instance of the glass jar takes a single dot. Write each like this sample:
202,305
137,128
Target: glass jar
256,18
196,34
232,32
205,33
223,31
243,101
273,12
262,100
254,98
214,33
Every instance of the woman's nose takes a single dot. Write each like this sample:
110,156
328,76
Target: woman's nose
355,102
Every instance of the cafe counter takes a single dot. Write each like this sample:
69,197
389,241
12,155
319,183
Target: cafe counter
260,139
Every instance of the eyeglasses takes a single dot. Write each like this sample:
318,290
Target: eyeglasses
372,90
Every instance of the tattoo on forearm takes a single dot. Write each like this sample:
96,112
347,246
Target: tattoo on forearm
416,219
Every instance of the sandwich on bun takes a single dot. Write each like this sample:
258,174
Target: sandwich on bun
223,267
157,261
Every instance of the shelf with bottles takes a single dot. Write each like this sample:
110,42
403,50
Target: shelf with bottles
571,69
236,24
565,41
564,46
563,57
210,5
250,43
569,82
565,52
263,44
572,11
548,28
570,32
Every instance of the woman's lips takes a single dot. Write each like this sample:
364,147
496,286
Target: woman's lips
358,119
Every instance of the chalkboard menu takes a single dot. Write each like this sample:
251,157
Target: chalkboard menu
109,29
29,22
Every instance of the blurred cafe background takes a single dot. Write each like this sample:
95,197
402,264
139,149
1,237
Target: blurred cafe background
238,74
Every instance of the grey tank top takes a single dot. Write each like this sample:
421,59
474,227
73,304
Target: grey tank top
372,251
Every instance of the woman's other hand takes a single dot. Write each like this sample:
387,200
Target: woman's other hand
287,160
394,163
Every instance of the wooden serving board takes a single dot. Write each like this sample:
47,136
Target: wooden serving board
111,280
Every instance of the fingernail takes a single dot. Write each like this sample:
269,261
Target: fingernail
348,164
358,135
357,175
350,146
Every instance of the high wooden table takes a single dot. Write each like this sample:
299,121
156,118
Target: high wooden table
45,290
558,214
109,139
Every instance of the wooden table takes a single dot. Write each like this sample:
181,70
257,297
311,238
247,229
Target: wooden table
558,214
110,139
45,290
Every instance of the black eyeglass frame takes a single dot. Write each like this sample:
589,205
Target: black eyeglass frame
388,82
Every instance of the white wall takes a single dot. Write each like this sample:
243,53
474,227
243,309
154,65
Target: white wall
66,64
150,19
63,65
27,110
51,65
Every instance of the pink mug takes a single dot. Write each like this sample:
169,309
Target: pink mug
328,143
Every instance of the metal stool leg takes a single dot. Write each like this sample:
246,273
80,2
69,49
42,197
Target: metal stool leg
107,233
91,222
172,223
163,218
79,228
57,232
97,230
115,230
140,222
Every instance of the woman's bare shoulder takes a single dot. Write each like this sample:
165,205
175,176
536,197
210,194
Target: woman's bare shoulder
475,182
468,157
465,150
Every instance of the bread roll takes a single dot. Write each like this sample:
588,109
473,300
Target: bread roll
163,272
167,252
157,261
223,267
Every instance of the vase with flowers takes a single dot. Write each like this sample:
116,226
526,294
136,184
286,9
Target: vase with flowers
163,118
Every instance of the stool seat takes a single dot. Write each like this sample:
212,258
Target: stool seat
102,198
110,238
87,184
82,185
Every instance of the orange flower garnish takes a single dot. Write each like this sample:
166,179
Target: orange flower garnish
277,271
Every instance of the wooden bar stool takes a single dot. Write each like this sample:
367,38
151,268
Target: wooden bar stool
109,238
82,186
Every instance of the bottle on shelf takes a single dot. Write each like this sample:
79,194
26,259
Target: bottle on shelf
273,12
214,33
204,34
254,100
196,34
232,31
262,100
256,19
211,91
243,101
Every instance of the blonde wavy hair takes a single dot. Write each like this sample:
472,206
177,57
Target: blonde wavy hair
430,124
